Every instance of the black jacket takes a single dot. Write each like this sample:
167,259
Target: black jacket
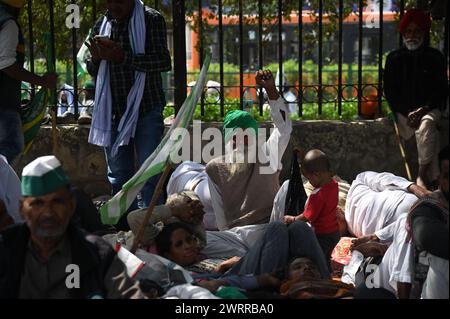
430,230
92,254
413,79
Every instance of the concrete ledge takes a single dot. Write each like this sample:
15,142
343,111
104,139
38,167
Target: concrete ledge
352,146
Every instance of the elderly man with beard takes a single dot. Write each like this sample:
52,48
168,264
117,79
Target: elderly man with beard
50,257
242,186
415,85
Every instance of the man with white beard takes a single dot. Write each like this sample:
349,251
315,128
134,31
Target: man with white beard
415,85
243,183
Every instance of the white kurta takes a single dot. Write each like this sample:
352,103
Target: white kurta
10,192
376,200
233,242
397,264
270,152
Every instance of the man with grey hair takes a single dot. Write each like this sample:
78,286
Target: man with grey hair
416,87
192,176
242,186
48,256
184,206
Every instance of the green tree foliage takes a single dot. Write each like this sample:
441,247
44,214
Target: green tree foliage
63,35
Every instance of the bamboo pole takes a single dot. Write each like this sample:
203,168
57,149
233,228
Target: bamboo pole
156,195
402,151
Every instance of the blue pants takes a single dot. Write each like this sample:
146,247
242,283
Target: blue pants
122,167
11,136
279,246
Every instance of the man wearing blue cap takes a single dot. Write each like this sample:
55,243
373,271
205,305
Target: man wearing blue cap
48,256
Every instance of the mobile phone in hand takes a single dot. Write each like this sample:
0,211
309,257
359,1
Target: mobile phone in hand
101,37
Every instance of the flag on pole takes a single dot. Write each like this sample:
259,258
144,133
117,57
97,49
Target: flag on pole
112,210
132,263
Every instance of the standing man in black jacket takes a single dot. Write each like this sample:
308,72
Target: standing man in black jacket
415,85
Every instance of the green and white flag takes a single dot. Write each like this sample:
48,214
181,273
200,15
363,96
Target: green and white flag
112,210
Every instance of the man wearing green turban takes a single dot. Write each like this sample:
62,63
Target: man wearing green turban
238,119
243,182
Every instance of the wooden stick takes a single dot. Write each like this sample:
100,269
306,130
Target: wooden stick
148,214
54,136
402,151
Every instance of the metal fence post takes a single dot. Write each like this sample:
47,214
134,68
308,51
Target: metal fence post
179,52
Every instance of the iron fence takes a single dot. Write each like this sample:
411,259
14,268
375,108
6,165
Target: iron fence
306,93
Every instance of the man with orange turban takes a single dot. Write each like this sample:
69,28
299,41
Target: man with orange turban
415,85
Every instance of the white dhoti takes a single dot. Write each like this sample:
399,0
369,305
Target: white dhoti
427,139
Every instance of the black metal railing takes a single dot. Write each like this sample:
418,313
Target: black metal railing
266,51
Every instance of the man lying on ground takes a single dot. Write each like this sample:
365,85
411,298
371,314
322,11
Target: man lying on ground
376,200
191,176
305,282
424,229
279,245
187,207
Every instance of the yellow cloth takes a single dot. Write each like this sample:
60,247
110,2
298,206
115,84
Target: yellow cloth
14,3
